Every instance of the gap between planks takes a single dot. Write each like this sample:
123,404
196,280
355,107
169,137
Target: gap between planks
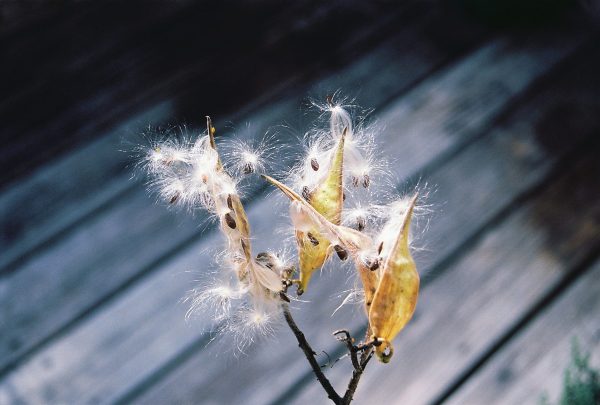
159,220
188,375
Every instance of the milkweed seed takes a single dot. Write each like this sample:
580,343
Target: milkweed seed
312,239
230,221
341,252
306,193
360,223
314,164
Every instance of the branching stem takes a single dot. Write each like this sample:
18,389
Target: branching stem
359,364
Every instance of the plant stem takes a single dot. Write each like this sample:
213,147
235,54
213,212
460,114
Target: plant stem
310,356
359,365
356,374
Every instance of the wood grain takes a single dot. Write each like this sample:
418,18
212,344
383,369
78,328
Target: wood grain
533,363
512,159
89,273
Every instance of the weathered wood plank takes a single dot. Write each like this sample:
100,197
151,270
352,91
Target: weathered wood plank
89,348
139,59
517,155
533,363
96,272
30,217
58,195
469,308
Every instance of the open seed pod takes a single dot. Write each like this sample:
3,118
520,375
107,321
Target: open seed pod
327,199
341,239
396,296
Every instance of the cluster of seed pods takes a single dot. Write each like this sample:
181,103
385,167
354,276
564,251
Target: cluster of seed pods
338,163
383,261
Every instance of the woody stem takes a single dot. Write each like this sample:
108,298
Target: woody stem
309,353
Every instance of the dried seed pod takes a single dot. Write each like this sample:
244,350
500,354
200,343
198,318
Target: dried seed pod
396,296
230,221
314,164
326,199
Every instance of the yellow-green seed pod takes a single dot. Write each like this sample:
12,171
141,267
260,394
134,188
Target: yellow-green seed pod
349,239
326,199
395,300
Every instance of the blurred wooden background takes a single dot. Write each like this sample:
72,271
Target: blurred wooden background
494,104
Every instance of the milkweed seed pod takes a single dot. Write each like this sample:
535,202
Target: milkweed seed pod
191,173
357,244
396,296
260,279
327,199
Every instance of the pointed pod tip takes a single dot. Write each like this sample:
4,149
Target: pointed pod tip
291,194
408,214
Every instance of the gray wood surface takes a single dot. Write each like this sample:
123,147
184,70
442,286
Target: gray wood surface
92,272
500,166
468,309
533,364
92,262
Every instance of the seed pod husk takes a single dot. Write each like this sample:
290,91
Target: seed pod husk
396,296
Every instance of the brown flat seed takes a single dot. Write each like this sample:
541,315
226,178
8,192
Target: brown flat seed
312,239
341,252
380,248
360,223
306,193
366,181
343,196
230,221
174,199
373,264
355,181
314,164
229,202
248,168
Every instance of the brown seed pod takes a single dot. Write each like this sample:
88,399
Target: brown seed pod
314,164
